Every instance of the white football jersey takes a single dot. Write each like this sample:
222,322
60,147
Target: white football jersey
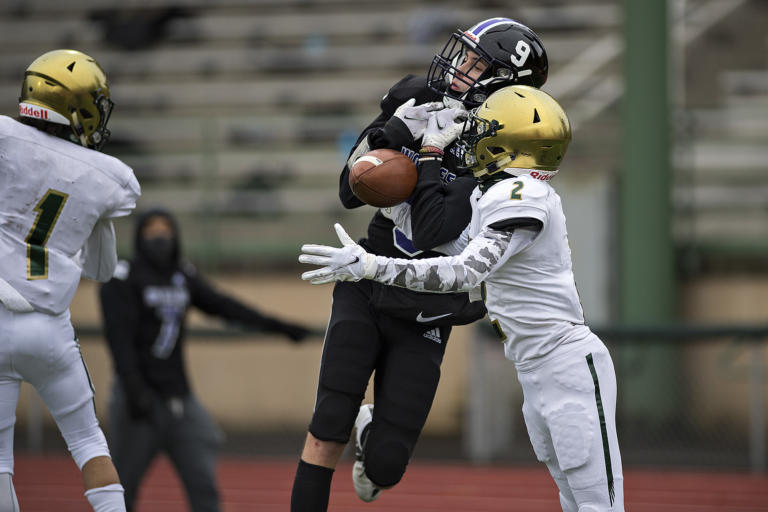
56,199
531,298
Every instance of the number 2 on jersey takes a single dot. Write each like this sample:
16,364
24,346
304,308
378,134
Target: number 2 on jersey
48,210
515,194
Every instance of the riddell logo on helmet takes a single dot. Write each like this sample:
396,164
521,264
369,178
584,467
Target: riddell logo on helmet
42,113
27,110
543,175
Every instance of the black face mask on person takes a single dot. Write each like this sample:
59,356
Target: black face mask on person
159,251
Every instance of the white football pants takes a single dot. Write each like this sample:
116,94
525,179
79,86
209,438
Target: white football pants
41,349
570,412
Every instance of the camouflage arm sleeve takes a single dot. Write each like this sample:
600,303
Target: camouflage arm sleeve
460,273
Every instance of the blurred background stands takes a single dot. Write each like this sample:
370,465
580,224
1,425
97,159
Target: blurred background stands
238,116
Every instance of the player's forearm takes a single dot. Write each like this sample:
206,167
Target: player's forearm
99,252
120,312
120,336
438,212
366,141
348,199
447,274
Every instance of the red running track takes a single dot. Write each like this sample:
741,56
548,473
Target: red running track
53,484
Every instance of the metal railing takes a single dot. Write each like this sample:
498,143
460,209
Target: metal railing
692,430
711,411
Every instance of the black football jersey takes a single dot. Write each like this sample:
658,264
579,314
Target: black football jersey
440,207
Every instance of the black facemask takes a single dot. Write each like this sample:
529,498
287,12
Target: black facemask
159,251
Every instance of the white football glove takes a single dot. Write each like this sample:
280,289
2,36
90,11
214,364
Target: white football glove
416,117
443,127
347,263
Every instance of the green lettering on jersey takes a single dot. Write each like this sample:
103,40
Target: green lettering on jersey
48,211
498,330
515,194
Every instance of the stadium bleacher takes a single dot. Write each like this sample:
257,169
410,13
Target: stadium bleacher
243,110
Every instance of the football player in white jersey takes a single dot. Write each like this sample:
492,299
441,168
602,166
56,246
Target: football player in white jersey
515,251
58,194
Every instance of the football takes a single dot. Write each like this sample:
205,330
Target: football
383,177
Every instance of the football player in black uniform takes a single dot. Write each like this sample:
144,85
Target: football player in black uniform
398,333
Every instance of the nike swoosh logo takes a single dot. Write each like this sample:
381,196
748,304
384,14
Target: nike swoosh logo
421,318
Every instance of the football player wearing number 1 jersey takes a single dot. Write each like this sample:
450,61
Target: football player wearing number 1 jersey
58,196
515,250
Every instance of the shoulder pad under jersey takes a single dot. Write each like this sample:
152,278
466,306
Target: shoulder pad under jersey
515,197
7,125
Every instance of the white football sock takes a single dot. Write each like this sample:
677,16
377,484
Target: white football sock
109,498
8,501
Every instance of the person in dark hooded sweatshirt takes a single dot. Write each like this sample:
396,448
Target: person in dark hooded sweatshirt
153,409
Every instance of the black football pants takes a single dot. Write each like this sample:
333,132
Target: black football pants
405,356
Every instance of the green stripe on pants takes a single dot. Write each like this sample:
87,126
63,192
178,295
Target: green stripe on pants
603,428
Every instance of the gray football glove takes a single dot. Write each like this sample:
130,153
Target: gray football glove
443,127
415,117
347,263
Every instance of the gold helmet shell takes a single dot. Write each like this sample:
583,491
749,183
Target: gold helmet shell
68,87
517,127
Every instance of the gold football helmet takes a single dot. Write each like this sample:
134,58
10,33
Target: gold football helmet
68,87
517,127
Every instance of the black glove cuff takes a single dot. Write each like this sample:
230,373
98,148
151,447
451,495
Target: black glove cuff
397,134
429,168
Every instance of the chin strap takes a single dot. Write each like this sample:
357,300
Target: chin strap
77,128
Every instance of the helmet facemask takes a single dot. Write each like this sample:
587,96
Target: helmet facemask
101,134
445,68
483,159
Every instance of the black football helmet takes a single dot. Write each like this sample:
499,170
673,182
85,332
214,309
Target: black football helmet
511,53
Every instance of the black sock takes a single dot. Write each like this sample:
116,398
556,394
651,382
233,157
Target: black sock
311,488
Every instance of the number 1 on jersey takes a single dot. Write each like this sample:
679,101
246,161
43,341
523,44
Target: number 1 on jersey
48,210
